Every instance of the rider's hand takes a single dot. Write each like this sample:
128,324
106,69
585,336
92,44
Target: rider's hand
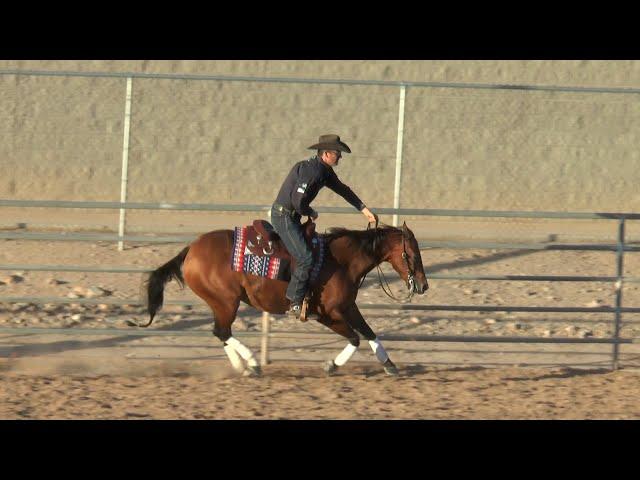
314,215
371,217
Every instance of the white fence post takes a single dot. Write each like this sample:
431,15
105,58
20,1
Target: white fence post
266,327
125,163
396,189
264,344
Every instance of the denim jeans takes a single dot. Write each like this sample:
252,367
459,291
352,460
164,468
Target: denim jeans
290,231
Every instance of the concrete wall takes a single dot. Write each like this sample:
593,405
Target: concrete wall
233,142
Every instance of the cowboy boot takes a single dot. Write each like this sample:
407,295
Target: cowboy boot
294,310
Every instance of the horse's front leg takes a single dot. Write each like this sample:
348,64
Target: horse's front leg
337,322
357,321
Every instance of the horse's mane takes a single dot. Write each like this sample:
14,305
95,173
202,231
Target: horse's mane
364,239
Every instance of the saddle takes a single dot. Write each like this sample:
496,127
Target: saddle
263,241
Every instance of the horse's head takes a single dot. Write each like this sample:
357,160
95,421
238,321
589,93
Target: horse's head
404,256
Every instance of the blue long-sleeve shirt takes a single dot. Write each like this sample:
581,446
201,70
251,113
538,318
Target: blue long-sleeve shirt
305,180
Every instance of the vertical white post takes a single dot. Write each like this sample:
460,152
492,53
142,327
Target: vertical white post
264,346
266,324
125,163
396,189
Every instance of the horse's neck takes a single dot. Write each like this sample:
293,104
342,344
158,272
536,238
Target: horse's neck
358,263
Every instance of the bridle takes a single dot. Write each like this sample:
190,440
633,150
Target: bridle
410,274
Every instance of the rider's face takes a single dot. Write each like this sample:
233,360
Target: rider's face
332,157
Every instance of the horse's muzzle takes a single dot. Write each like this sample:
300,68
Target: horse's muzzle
420,289
415,287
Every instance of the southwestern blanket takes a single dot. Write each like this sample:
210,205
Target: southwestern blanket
268,266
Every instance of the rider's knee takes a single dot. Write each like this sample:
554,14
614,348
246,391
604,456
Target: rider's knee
306,260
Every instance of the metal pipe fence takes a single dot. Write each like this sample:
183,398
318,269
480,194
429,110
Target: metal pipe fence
620,247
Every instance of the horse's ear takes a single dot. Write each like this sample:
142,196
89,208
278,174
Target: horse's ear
405,230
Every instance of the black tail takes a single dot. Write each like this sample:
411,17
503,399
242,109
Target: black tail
158,279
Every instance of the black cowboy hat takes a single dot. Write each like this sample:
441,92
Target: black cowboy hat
330,142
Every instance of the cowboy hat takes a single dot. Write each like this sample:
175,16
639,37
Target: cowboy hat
330,142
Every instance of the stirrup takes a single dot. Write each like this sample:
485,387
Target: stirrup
305,314
294,310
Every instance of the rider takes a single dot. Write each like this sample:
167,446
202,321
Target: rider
299,189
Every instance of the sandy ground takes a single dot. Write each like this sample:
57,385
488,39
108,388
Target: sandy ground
111,375
295,392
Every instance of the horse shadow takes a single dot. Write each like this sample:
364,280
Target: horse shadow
565,372
33,350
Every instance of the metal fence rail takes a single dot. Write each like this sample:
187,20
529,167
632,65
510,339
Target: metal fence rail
362,306
619,247
320,81
88,237
311,335
218,207
435,276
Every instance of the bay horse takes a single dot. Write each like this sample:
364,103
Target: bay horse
205,266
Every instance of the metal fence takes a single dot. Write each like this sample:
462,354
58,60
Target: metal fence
620,247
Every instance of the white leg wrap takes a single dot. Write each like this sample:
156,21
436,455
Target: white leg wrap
344,356
236,361
379,350
244,352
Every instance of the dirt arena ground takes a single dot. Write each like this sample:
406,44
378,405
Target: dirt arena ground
295,392
103,373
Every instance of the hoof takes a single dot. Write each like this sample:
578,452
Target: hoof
390,369
329,367
252,372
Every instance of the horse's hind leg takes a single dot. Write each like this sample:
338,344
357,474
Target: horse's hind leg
235,350
357,321
337,322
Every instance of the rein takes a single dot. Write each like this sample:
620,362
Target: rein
375,237
381,275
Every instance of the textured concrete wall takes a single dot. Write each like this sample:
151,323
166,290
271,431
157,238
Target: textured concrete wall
233,142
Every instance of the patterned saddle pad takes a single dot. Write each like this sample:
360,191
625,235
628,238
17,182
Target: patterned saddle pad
270,266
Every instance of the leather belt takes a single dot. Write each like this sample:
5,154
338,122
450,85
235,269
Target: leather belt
281,209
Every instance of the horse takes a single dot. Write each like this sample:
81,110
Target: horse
205,266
